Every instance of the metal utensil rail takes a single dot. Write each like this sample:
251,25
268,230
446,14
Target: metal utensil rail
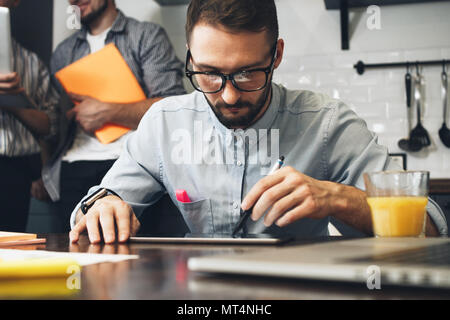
361,66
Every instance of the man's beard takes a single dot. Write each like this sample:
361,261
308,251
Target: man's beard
246,120
87,20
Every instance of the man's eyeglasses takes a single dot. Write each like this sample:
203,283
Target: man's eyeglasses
246,80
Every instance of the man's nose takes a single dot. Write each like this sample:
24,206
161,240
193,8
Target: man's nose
230,94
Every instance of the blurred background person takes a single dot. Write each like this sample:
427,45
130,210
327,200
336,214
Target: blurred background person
81,160
24,132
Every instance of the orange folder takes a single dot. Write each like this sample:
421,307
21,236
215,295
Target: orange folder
105,76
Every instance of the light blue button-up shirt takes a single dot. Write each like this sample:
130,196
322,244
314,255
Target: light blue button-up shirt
181,145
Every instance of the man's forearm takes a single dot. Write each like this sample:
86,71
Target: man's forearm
353,209
129,115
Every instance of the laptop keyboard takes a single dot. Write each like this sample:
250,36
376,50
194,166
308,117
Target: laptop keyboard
436,255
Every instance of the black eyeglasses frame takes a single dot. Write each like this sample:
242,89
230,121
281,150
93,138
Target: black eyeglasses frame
230,77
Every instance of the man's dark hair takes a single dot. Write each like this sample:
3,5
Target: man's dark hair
234,15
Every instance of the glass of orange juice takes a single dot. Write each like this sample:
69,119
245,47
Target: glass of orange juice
398,201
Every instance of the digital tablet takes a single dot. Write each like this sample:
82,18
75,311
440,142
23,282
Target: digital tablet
19,100
189,238
5,40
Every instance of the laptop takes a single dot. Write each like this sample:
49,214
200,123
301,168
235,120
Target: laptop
19,100
420,262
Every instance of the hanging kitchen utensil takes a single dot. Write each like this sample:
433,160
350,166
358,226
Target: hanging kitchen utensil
419,134
405,143
444,132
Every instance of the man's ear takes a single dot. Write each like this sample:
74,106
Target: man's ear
280,50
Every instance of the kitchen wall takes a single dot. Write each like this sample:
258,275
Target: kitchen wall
314,61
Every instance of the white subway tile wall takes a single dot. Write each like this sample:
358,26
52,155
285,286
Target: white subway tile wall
313,61
378,96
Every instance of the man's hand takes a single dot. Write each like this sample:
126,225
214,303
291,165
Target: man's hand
110,217
292,195
93,114
90,113
10,83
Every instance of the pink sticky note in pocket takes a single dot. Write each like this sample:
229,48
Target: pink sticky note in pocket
182,195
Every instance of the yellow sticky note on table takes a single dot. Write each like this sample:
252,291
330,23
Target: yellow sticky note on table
105,76
37,268
41,288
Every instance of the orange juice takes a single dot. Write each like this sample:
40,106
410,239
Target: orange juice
398,216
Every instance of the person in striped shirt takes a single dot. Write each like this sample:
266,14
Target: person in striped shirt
23,131
82,160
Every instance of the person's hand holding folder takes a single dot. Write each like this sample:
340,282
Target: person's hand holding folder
109,99
92,114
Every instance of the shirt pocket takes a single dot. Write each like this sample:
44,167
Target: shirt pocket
197,215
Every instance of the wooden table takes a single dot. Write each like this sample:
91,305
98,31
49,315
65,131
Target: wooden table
440,186
161,273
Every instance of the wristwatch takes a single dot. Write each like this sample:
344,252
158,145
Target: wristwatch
87,203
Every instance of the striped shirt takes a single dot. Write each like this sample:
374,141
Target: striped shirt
15,139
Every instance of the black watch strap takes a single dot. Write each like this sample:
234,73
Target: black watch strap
87,203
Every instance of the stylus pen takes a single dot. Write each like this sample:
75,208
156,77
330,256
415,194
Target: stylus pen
247,213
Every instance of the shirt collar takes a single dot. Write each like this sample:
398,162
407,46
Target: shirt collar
265,122
117,26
